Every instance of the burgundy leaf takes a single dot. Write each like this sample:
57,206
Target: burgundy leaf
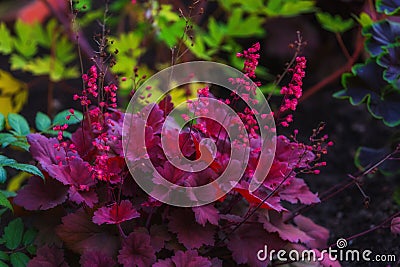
247,240
189,232
319,234
166,105
188,258
116,213
291,152
159,235
80,234
87,197
42,149
206,214
395,226
296,191
137,251
273,223
48,257
78,175
83,142
40,195
96,259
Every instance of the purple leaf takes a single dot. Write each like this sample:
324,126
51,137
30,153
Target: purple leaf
190,234
48,257
159,235
78,175
395,226
40,195
42,149
319,234
273,223
137,251
96,259
116,213
206,213
298,191
188,258
88,197
80,234
247,240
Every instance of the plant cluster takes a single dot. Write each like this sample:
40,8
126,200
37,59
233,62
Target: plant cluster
99,213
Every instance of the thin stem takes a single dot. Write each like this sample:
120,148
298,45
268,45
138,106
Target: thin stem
336,74
380,225
342,46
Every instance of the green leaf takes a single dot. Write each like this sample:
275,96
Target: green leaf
18,123
31,249
243,26
2,122
13,233
27,168
3,175
335,23
29,237
83,5
17,62
365,20
396,196
61,118
6,139
6,41
2,264
4,202
25,43
19,259
8,193
22,144
270,88
288,8
42,121
4,256
5,161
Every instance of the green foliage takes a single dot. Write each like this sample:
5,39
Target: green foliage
23,47
11,163
19,259
335,23
83,5
272,8
18,124
288,8
4,202
396,196
13,233
18,242
42,122
364,19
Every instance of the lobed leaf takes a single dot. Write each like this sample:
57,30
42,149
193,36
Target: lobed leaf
335,24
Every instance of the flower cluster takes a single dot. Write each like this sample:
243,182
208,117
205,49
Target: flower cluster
293,91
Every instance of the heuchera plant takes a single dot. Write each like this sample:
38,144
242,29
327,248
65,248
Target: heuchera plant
89,206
